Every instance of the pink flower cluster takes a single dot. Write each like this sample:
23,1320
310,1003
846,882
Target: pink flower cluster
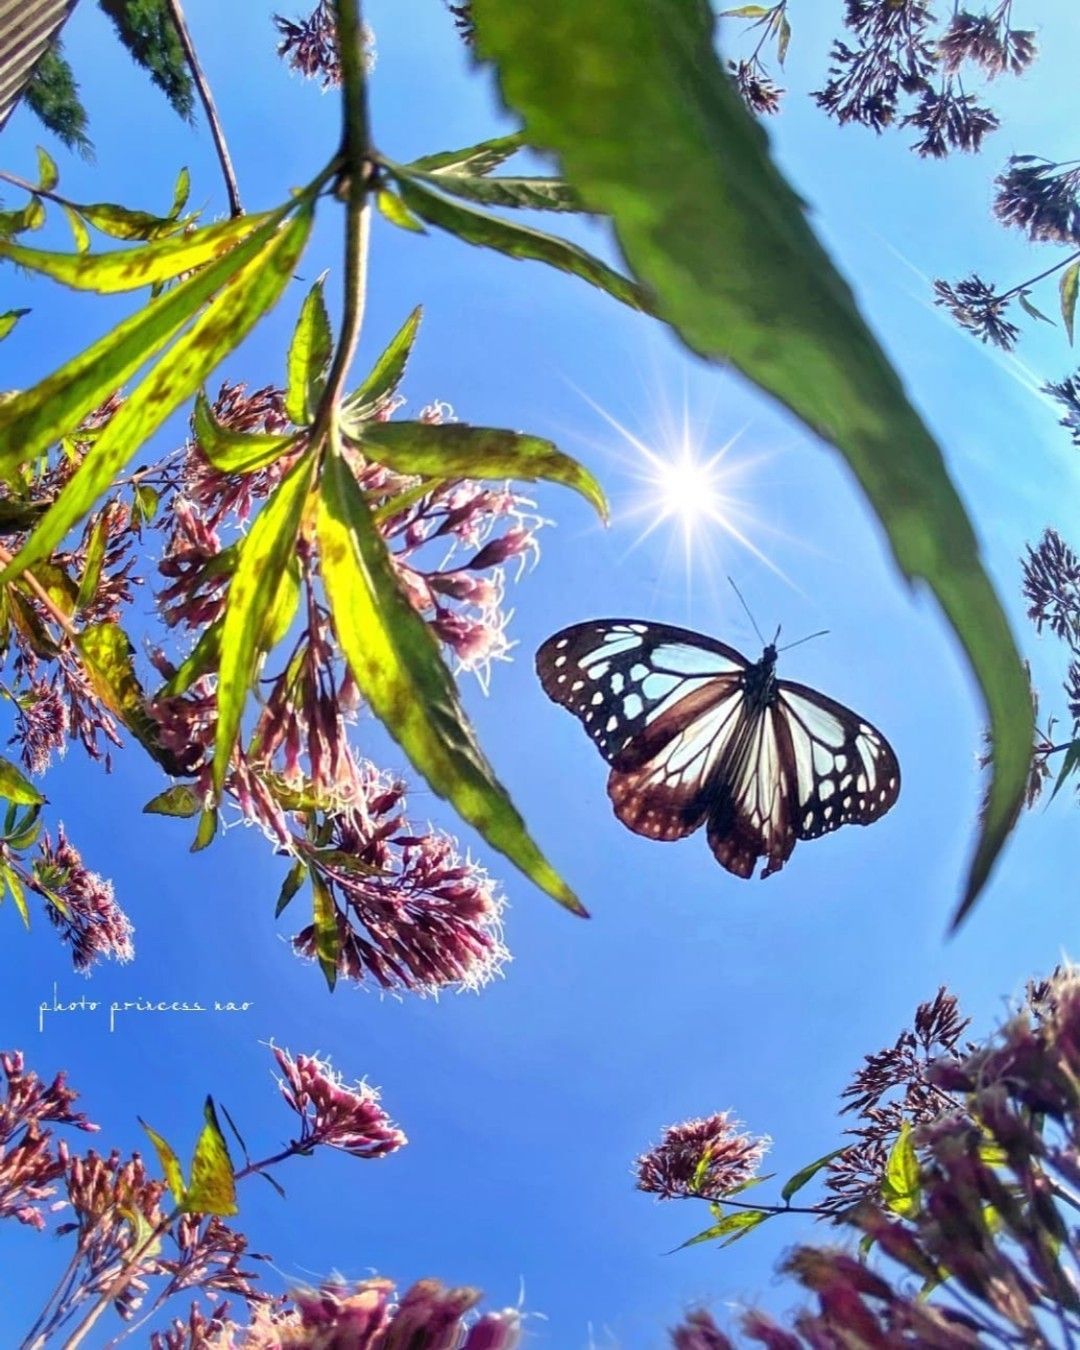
334,1113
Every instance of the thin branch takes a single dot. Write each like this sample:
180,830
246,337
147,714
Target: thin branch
203,86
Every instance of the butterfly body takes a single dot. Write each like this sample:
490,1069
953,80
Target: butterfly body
697,735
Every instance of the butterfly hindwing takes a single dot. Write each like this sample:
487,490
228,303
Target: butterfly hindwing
846,771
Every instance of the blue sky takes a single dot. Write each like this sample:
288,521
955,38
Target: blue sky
688,991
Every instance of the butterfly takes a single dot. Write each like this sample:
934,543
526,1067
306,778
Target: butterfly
697,734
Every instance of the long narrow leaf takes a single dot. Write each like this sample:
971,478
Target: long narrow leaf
455,450
397,666
533,194
518,241
475,159
128,269
634,100
309,356
388,370
35,418
249,293
253,593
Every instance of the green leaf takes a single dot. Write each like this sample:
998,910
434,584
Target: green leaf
456,450
733,1227
474,159
518,241
533,194
22,833
297,874
145,503
393,209
235,451
212,1189
178,800
170,1163
900,1186
9,319
634,100
120,222
744,12
388,370
261,565
1029,308
129,269
397,665
1069,766
783,40
16,787
1067,287
36,418
95,559
181,192
324,916
309,356
48,173
795,1183
205,656
227,319
14,885
207,829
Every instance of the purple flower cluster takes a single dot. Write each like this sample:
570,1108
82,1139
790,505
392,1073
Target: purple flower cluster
707,1158
334,1113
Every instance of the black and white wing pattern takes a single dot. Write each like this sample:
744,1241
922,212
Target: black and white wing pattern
695,733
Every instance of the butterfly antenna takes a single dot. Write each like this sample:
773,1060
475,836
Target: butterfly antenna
800,642
745,606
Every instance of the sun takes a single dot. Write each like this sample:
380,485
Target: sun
703,494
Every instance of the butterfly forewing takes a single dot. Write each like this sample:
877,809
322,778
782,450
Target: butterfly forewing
619,676
694,733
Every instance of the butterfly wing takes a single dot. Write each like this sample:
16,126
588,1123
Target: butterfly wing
620,677
845,771
658,701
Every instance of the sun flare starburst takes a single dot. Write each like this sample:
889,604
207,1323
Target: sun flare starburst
701,495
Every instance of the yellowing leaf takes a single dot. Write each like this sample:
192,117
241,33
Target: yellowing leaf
310,350
387,372
170,1163
212,1189
261,565
227,319
327,934
1068,286
900,1186
399,669
16,787
129,269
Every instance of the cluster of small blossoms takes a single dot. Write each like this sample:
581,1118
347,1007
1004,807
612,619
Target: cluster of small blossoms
81,905
367,1316
105,1194
892,1087
980,309
411,912
983,1251
30,1163
758,90
334,1113
706,1158
310,45
896,54
1041,198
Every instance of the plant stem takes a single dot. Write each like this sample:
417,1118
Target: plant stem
203,86
55,612
356,154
